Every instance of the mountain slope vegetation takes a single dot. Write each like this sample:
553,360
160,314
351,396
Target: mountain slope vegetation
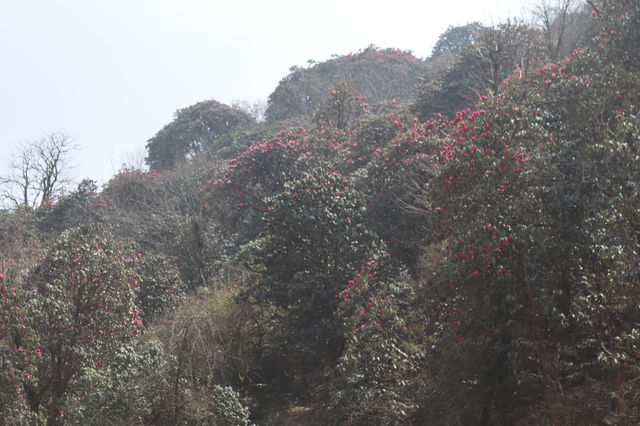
458,248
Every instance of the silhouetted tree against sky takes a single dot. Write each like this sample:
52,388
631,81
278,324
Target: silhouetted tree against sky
38,171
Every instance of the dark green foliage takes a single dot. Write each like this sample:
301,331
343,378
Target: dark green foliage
474,264
478,69
389,187
77,307
130,389
235,196
455,39
378,74
79,207
375,374
314,237
532,296
161,287
194,129
443,93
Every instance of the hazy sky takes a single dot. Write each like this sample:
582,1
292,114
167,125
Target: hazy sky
111,73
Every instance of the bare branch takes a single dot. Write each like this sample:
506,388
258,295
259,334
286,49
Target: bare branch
37,172
558,20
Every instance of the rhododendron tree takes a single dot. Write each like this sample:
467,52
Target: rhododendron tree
314,237
15,371
235,195
470,259
378,74
389,186
527,292
376,376
77,308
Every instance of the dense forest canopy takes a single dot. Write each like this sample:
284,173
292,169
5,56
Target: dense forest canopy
452,240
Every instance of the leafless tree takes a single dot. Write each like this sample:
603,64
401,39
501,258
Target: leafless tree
562,23
498,51
37,173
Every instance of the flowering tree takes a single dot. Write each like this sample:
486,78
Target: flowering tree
531,285
477,266
375,379
378,74
73,310
314,237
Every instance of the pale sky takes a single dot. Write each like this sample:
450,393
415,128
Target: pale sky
111,73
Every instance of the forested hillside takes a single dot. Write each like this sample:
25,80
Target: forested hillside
449,241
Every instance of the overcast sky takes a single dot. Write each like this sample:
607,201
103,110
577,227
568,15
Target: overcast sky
111,73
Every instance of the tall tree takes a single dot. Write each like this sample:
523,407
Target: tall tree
38,171
564,24
76,309
454,39
193,130
534,206
479,68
